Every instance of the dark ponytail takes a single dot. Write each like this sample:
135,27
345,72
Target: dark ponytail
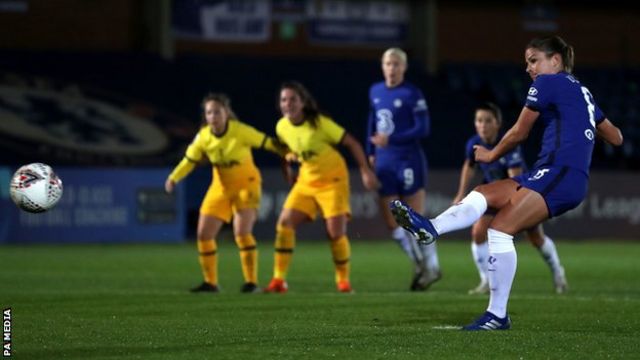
555,45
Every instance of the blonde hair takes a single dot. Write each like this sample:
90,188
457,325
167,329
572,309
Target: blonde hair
395,52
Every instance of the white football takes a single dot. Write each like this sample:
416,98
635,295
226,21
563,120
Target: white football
35,188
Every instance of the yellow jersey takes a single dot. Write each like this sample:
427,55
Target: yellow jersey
315,148
229,153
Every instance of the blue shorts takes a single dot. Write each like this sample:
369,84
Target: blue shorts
562,187
402,175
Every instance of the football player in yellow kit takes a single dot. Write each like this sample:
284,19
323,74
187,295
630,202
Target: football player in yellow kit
235,189
322,182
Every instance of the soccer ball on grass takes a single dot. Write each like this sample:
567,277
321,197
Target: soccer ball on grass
35,188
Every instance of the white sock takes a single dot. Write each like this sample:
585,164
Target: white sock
404,240
430,255
461,215
480,254
503,261
550,254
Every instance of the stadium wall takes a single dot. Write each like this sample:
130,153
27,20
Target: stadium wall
611,210
123,205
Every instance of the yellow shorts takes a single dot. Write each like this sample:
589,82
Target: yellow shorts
223,201
332,199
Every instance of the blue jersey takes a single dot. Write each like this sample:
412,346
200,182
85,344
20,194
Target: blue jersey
569,115
401,113
498,169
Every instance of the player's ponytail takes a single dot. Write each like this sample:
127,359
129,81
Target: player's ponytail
555,45
568,58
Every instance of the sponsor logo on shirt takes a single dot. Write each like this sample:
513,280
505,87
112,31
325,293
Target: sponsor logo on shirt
384,123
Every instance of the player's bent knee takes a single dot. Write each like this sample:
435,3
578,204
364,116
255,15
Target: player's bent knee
505,227
245,241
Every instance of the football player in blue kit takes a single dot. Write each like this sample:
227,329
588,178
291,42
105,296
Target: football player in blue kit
398,120
487,121
556,184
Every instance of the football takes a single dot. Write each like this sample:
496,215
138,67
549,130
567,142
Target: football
35,188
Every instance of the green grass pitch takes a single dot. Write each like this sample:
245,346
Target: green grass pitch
130,302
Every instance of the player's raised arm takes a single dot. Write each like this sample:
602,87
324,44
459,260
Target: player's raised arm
517,134
609,133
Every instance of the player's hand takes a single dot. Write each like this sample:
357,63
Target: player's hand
369,179
169,185
372,160
482,154
291,157
379,140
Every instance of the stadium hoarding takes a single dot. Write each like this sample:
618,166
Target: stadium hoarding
222,20
126,205
358,23
611,209
99,206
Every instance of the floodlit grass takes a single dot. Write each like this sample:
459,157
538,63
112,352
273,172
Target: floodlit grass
130,301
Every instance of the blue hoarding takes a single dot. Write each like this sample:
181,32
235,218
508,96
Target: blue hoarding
99,205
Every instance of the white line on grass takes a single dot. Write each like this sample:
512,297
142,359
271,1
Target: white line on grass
446,327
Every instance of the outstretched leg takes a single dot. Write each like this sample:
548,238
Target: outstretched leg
459,216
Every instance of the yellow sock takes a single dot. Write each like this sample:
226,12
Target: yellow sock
341,251
208,256
285,242
248,257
